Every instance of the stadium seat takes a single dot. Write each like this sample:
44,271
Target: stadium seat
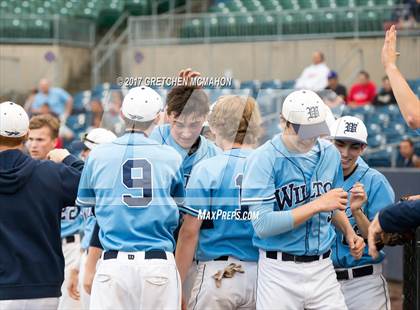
375,141
381,158
276,84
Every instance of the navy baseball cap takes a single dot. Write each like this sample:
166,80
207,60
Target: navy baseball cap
332,75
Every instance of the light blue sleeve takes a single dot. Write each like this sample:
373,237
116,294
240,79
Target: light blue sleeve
269,223
86,193
380,196
339,176
156,135
64,96
418,131
258,186
198,192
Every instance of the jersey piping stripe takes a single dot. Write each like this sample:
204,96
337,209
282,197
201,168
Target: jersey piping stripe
82,203
201,284
258,199
185,208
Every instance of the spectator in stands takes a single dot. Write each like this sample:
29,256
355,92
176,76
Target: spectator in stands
60,101
111,119
97,112
385,95
407,100
314,77
335,86
407,156
363,92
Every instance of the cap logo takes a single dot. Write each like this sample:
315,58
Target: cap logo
12,133
135,117
313,112
350,127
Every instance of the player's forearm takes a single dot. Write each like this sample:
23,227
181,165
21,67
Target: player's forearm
303,213
184,253
407,100
362,222
340,220
94,254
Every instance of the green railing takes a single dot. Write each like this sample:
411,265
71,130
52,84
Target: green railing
273,25
46,30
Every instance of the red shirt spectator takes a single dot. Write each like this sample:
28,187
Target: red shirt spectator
363,92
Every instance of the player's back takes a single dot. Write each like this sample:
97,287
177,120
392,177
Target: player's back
214,193
133,181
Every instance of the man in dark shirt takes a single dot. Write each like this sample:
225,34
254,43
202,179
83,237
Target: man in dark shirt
32,194
386,95
335,86
407,157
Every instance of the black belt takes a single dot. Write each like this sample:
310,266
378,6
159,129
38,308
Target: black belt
224,258
295,258
152,254
357,272
70,239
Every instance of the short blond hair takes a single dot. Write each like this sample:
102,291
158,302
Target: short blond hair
236,119
46,120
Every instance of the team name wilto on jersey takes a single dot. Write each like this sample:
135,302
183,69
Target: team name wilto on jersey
292,194
237,215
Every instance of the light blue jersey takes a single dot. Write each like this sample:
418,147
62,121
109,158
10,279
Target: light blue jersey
380,195
206,149
279,180
213,195
135,184
71,221
88,225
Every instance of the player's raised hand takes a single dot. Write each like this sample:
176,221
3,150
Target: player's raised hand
389,53
332,200
187,75
58,155
357,196
356,245
183,303
72,286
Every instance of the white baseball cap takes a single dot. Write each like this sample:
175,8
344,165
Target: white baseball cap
14,122
98,136
307,113
349,128
141,104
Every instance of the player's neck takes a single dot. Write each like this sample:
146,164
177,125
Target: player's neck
350,170
227,145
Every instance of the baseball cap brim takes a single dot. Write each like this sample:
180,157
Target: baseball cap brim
348,139
312,131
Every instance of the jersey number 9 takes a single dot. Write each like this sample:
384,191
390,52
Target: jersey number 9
137,174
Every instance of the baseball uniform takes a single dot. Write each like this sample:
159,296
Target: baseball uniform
213,195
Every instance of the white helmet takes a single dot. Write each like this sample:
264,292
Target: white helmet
141,104
98,136
349,128
307,110
14,121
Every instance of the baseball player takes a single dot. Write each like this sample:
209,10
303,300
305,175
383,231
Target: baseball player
43,134
294,183
94,138
135,183
32,194
224,242
361,281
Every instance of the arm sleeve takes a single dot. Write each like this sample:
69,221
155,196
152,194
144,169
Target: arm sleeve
94,241
400,217
85,193
64,95
197,193
269,223
258,185
69,173
381,196
339,176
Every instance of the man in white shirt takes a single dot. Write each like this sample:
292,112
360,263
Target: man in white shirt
314,77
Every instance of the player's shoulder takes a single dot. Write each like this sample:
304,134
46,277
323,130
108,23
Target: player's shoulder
210,165
329,148
371,175
160,133
211,147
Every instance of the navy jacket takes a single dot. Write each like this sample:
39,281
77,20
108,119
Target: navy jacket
401,217
32,194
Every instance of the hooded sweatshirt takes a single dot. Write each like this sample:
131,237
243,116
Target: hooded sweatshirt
32,194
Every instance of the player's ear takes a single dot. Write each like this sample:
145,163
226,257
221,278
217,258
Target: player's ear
364,146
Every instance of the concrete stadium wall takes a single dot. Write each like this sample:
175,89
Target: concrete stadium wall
282,60
21,66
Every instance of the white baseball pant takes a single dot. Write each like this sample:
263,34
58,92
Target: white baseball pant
71,252
366,292
30,304
290,285
130,281
237,292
